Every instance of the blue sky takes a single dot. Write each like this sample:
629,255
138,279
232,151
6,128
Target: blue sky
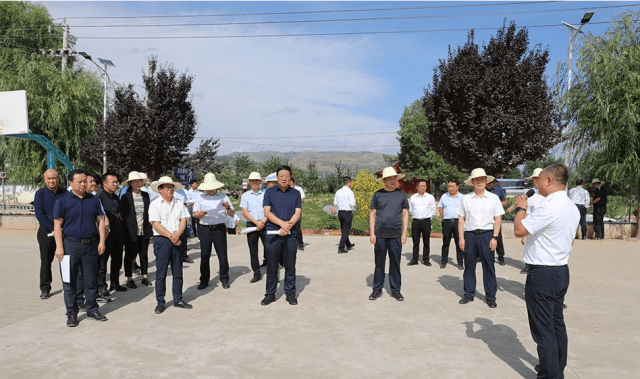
340,92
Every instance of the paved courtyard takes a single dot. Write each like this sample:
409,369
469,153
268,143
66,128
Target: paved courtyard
334,331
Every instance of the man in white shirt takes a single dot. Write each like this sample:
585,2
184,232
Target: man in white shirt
449,209
422,206
479,223
345,203
253,212
212,208
550,230
581,199
168,217
298,225
531,204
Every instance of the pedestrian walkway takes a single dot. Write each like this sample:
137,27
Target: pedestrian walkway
334,331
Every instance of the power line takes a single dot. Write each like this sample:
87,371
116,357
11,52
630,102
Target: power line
313,12
239,23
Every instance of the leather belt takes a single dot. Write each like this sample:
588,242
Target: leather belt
541,266
82,241
479,231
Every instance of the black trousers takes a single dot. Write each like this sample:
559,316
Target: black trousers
252,241
392,247
421,227
346,218
83,262
113,249
298,232
216,235
450,228
598,219
583,219
286,249
544,294
47,253
477,245
139,246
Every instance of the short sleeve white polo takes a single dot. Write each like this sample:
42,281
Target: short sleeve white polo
168,214
479,212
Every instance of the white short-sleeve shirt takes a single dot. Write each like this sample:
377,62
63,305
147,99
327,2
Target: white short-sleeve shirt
552,227
479,212
168,213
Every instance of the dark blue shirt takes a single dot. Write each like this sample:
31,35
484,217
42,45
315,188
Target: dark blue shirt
389,206
602,194
283,205
78,214
43,203
497,190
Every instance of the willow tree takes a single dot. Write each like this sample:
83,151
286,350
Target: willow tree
604,103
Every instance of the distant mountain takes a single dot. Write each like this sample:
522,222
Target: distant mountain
325,160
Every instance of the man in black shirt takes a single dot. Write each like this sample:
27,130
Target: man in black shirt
388,223
599,208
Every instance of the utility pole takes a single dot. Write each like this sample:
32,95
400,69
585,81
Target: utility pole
65,44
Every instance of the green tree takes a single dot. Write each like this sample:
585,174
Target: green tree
61,107
152,135
604,102
364,186
271,164
313,183
416,158
203,160
492,108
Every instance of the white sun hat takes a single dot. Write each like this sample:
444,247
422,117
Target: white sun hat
210,183
177,186
536,173
390,171
255,176
477,173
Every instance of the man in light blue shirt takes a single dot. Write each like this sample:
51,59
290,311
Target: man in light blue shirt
253,212
448,210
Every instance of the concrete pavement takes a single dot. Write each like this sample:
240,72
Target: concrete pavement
334,331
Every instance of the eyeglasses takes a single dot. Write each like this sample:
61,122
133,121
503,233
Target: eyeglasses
170,186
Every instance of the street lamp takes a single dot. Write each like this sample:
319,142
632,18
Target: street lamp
585,19
106,63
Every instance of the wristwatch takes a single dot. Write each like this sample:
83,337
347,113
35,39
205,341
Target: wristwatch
494,237
518,209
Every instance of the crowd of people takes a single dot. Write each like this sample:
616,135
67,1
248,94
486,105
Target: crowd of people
88,230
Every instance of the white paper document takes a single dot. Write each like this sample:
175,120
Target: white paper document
248,230
65,268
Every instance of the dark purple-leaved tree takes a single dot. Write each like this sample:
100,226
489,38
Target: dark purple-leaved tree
492,108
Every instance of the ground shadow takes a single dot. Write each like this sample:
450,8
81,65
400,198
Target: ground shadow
301,283
455,284
504,344
512,286
514,263
386,286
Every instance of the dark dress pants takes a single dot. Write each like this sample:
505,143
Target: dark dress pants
113,250
500,247
583,219
421,227
298,232
346,218
544,295
286,248
450,228
83,260
598,220
477,245
47,253
166,252
216,235
252,241
392,246
139,246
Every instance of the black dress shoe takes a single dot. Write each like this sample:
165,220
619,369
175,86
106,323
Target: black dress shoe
104,293
256,278
226,286
159,308
501,263
460,267
186,259
465,300
131,284
398,296
412,263
182,304
375,294
268,299
426,263
81,304
97,316
117,287
146,282
353,246
491,303
72,320
301,247
291,299
103,300
202,285
45,295
443,265
342,251
264,264
537,368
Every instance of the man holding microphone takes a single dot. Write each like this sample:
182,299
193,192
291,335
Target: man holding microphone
549,230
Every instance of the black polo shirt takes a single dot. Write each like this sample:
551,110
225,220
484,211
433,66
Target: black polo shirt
283,204
78,214
602,194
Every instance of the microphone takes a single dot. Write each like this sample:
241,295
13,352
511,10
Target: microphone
529,194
